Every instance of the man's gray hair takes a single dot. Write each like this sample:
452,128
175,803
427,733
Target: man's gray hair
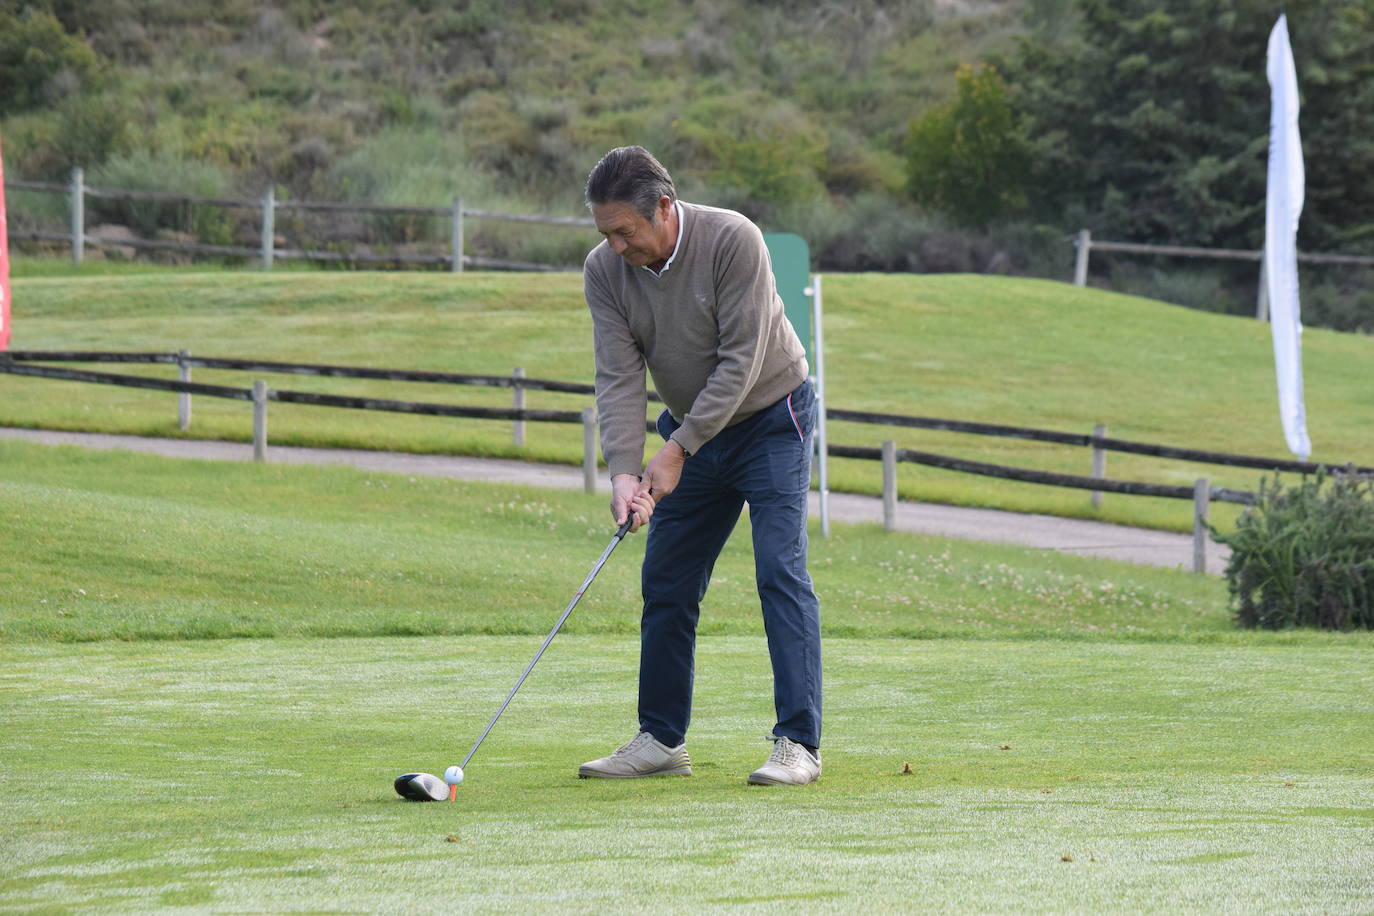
630,175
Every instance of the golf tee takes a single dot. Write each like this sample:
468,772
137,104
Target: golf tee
453,792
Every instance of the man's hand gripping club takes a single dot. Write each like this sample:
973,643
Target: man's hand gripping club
630,500
637,495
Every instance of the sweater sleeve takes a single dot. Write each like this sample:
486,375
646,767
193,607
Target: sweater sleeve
744,303
621,393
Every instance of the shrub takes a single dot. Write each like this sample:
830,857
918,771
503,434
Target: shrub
969,159
870,232
90,129
146,170
1341,298
406,166
39,62
1304,556
757,154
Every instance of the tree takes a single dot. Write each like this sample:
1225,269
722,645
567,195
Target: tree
968,159
1334,45
39,62
1152,125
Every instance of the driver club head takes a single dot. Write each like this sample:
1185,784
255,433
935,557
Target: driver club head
421,787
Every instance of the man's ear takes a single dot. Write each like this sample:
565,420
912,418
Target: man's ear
665,206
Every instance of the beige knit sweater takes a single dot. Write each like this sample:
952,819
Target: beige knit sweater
710,330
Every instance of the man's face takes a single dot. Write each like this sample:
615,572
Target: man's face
639,241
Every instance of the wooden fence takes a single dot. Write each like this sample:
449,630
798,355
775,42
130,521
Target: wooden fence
1084,244
20,362
268,206
27,363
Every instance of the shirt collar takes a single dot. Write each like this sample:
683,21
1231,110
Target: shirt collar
677,204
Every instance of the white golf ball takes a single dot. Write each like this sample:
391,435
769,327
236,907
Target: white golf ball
453,775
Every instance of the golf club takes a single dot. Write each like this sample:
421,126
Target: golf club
425,787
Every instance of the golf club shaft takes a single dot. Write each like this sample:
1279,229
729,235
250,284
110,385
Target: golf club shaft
586,583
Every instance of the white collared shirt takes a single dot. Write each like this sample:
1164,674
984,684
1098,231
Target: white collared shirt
677,206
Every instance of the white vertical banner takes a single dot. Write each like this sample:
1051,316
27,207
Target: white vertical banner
1283,207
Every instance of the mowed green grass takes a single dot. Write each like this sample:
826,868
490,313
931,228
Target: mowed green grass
990,349
1046,776
125,546
1083,737
211,672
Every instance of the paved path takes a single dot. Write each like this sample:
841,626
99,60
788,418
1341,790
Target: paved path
1044,532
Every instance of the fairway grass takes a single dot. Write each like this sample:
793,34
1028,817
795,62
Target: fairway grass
117,545
1082,736
255,776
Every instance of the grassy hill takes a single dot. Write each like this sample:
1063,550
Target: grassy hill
1012,351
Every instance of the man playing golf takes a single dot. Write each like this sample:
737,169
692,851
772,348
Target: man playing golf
687,292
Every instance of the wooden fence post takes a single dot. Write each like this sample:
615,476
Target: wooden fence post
78,214
589,449
456,257
183,397
1084,244
518,401
1202,499
269,226
890,485
1099,462
259,420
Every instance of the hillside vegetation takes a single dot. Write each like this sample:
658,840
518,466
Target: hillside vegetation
895,135
999,350
794,116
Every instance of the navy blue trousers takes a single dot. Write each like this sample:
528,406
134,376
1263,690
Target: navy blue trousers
766,462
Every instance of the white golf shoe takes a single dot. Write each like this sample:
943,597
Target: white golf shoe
643,755
790,764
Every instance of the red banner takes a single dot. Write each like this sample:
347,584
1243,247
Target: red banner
4,264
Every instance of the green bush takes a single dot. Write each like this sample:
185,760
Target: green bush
413,166
146,170
82,130
969,159
40,63
756,153
1339,297
1304,555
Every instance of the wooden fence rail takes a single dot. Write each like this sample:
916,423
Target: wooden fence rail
259,395
123,381
297,397
1048,478
519,381
261,365
23,363
1084,244
1232,254
1095,441
456,258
